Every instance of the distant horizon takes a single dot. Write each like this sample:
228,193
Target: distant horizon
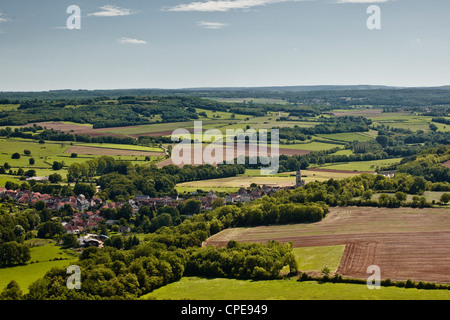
375,86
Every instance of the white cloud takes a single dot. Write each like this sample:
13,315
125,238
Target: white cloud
223,5
131,41
211,25
3,19
111,11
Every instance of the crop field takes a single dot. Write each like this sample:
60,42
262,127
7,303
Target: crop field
227,153
237,182
316,258
45,154
447,164
254,100
220,114
110,151
310,146
362,166
405,243
364,111
40,152
347,137
76,128
194,288
345,152
187,189
284,179
406,121
121,147
134,131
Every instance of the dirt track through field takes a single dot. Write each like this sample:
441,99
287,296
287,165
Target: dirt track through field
405,243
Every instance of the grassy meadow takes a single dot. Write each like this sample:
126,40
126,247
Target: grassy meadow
45,154
360,165
317,258
194,288
44,256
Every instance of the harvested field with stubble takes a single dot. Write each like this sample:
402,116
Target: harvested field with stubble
249,152
111,152
74,128
405,243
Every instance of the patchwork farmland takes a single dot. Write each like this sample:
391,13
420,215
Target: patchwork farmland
405,243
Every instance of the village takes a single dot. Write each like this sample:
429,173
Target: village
87,212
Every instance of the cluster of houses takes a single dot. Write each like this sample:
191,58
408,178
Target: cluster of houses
250,194
86,212
80,203
82,221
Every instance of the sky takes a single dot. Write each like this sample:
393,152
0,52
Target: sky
174,44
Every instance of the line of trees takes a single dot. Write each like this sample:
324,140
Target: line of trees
110,273
13,253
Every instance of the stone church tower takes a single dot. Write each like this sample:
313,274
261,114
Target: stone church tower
298,178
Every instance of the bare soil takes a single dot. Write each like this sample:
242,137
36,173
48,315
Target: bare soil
405,243
76,129
248,153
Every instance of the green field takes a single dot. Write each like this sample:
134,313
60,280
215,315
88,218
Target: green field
121,147
194,288
253,176
406,121
45,154
220,115
8,107
346,152
38,151
347,137
237,182
316,258
43,258
312,146
187,189
361,165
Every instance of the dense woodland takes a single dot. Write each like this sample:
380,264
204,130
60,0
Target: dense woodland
336,96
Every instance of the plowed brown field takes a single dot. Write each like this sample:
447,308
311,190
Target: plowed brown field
405,243
185,159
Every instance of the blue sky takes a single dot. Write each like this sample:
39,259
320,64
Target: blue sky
222,43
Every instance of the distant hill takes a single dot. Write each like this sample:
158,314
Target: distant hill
315,94
297,88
